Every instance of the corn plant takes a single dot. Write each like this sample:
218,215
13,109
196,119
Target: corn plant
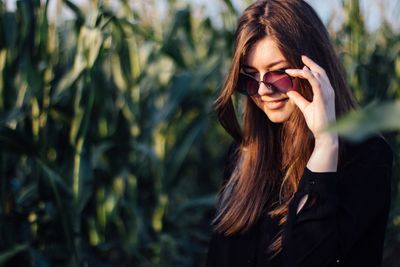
110,153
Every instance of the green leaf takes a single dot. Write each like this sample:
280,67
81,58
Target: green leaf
230,6
180,87
80,18
27,195
205,202
181,150
360,124
16,142
9,254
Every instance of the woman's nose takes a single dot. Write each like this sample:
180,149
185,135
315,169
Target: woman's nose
264,89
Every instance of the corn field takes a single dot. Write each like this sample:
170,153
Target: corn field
110,152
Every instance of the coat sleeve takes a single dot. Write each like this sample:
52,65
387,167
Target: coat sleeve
340,208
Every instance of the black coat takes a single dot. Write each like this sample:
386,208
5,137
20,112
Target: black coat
345,226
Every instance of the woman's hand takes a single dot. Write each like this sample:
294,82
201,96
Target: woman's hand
321,111
318,114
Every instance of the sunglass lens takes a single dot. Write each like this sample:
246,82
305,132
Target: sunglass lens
279,80
247,85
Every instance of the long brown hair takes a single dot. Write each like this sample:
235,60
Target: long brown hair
271,158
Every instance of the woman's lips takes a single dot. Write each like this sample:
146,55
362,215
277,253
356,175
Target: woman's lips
276,104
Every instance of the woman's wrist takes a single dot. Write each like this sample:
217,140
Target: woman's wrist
327,140
325,154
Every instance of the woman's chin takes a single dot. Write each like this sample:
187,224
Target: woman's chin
279,115
277,119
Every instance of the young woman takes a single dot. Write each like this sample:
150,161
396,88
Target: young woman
293,194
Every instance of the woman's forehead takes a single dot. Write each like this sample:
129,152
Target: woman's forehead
264,54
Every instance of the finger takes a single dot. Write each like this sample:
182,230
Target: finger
298,99
299,73
296,73
312,65
305,73
315,83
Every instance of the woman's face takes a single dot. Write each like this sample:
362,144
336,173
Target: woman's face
265,56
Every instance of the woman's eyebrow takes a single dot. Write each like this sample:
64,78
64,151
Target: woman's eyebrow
268,66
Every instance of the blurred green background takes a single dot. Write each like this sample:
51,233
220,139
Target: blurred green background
110,152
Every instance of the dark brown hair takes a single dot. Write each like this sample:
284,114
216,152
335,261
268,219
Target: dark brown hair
271,158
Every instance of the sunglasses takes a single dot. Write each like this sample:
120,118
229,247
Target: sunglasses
277,80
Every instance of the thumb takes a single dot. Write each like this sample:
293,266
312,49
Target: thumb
298,99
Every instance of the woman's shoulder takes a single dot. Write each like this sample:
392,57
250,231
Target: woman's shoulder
373,150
